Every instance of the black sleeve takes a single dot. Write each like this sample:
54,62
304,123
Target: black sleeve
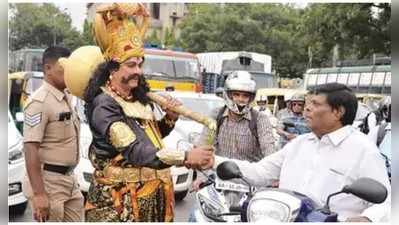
141,152
105,112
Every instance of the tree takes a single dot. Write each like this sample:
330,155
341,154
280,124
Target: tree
87,35
264,28
169,39
353,28
154,39
39,25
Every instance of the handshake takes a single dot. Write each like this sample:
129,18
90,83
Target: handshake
200,157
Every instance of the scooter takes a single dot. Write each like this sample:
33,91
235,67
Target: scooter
279,205
218,200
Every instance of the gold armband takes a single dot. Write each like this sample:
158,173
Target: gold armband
121,135
171,157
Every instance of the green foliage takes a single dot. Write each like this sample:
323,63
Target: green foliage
39,25
154,39
169,39
87,35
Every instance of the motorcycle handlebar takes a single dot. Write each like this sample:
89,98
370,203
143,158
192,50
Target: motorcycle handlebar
206,183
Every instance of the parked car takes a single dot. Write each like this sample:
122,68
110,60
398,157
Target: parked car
182,177
16,168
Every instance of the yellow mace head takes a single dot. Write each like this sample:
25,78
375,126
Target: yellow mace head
79,67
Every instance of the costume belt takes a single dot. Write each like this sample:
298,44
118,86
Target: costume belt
116,174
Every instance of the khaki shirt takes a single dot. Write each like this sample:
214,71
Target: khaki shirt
50,120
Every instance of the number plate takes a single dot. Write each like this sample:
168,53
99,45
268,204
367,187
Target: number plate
231,186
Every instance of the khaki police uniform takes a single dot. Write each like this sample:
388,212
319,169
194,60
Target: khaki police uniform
52,121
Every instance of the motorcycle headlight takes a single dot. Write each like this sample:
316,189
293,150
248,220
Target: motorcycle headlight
208,207
268,210
15,153
84,146
273,204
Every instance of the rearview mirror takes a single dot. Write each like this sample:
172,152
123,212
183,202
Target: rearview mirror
228,170
367,189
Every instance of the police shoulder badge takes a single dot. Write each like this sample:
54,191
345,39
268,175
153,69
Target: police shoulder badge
33,120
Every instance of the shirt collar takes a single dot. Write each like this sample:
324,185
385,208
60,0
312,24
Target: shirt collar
59,95
337,136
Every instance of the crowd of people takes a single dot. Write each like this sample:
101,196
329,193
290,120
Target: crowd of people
318,152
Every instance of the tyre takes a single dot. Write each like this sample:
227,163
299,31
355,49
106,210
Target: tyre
179,196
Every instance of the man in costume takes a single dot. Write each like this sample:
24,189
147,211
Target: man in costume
132,180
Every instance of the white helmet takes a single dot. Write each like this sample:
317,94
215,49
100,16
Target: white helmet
239,81
262,98
298,98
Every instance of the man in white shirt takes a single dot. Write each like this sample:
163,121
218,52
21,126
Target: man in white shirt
334,154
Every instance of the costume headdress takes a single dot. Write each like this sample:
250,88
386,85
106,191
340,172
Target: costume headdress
117,30
119,36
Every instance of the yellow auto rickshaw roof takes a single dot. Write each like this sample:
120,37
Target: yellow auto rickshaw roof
16,76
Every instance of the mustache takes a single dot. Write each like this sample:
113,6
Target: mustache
130,77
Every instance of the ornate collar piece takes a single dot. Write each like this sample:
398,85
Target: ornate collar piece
132,109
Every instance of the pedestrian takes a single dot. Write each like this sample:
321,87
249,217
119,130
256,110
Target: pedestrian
132,180
51,147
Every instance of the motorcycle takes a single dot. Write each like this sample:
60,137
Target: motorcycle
275,204
218,200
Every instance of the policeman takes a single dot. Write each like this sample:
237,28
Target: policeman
51,131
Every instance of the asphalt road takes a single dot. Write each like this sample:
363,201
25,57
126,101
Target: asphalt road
182,211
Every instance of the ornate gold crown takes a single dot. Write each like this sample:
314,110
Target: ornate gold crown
117,30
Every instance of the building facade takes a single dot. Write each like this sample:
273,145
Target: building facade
165,17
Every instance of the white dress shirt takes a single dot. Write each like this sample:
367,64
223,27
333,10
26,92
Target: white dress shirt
318,167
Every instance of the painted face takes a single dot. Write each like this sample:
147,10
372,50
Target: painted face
320,116
129,72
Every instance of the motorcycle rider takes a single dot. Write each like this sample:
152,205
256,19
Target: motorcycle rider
375,118
261,105
242,132
377,132
322,162
219,92
295,124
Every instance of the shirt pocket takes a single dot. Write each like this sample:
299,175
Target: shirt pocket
69,128
336,178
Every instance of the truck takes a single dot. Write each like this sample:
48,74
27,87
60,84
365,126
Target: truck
217,65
